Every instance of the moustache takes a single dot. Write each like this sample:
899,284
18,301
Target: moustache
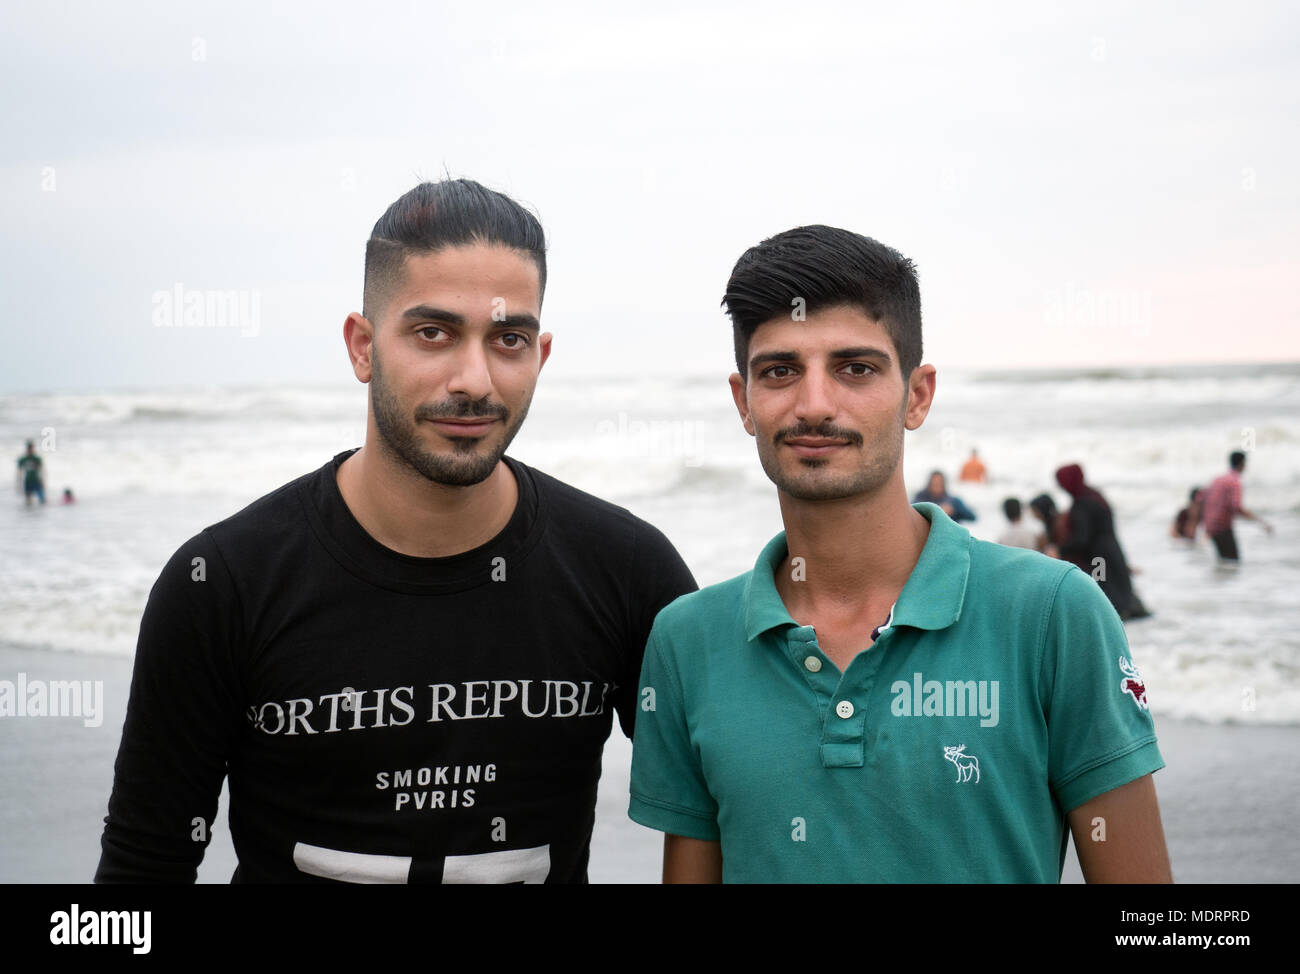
824,431
462,409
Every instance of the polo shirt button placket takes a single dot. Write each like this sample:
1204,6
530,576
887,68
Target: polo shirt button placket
802,642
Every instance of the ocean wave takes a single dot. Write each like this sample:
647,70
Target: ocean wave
153,467
1176,373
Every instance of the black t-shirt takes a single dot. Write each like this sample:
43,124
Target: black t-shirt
30,466
381,717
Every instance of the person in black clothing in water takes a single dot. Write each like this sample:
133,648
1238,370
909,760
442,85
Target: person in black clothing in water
1054,524
1090,543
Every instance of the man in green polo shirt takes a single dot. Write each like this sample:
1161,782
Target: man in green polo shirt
883,698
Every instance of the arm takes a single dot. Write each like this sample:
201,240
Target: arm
1101,738
669,792
691,860
1119,838
1251,516
659,575
1239,508
183,719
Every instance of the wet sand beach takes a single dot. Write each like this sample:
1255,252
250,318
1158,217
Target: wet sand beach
1227,794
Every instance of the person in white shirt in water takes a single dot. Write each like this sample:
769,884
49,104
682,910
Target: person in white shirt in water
1017,534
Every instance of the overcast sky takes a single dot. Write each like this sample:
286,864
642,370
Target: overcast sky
1103,184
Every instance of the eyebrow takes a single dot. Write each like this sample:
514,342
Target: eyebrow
427,312
862,351
839,354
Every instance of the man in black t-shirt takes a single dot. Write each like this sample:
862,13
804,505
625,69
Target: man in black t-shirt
408,661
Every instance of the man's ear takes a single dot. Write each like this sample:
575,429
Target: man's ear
920,395
741,397
359,336
544,344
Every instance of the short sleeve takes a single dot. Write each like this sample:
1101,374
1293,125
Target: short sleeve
1100,732
182,721
659,575
668,789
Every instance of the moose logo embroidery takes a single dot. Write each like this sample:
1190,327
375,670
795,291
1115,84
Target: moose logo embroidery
967,764
1132,683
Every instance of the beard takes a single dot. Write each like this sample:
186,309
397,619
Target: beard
470,461
808,479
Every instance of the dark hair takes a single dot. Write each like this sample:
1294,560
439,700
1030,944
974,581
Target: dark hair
453,212
1011,508
1237,459
1044,507
1194,492
825,266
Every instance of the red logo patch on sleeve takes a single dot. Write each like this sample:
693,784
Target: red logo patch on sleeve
1132,683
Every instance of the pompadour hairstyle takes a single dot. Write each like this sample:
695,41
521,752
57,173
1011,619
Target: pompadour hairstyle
825,266
453,212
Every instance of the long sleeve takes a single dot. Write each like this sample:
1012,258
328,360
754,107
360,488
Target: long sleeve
182,722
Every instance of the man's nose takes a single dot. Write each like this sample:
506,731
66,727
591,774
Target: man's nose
470,376
815,404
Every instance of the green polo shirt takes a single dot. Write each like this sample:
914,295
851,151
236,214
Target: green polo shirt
1000,696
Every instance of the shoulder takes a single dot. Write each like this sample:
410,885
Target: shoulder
1015,579
563,497
265,522
1046,602
585,518
710,615
261,528
1022,564
1079,615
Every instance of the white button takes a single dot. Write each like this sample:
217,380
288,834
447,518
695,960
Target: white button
813,664
844,709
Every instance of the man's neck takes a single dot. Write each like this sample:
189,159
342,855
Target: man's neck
857,554
410,514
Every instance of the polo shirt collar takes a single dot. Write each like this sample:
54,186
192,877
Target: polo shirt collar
931,599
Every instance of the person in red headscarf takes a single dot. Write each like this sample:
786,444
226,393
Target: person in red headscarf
1092,545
